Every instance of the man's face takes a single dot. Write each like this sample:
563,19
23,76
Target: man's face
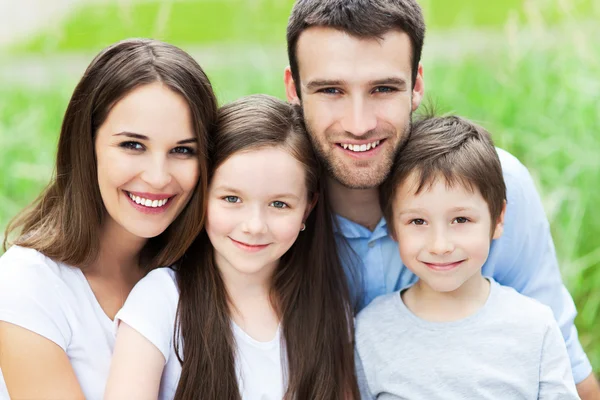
357,99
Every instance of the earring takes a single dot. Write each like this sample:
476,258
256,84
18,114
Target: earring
303,227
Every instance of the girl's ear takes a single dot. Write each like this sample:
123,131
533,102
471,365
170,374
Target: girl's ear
499,229
310,206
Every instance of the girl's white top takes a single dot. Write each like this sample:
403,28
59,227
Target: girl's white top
151,310
55,301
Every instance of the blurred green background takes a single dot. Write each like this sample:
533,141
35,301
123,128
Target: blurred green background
529,71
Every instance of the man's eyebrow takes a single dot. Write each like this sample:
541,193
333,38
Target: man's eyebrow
318,83
144,137
388,81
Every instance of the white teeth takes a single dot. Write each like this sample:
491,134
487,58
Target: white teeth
147,202
360,147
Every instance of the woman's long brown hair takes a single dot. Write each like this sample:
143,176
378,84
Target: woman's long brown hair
64,222
309,289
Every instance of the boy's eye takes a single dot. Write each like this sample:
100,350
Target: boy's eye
132,145
232,199
460,220
278,204
418,221
184,150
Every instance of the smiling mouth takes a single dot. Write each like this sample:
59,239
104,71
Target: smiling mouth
141,201
361,148
249,247
443,266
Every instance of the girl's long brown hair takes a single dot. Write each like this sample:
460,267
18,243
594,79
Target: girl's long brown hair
64,222
309,289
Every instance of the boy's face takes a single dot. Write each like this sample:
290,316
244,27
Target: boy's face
357,98
443,232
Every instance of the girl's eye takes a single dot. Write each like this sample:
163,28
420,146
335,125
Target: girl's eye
461,220
418,221
278,204
132,145
184,150
232,199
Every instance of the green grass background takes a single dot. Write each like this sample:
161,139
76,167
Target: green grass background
535,86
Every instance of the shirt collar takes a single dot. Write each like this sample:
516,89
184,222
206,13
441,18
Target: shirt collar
352,230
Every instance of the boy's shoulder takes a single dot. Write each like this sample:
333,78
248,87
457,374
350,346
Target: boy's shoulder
381,312
514,308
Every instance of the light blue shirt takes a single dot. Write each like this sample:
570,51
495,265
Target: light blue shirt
523,258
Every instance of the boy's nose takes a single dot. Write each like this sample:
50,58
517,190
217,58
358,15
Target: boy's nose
440,243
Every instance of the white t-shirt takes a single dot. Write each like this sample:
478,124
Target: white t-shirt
55,301
151,309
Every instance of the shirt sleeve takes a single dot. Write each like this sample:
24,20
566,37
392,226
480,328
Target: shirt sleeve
525,259
31,298
151,308
556,380
363,383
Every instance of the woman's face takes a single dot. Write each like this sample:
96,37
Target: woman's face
147,159
257,202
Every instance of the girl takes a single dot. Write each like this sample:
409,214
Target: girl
263,305
128,196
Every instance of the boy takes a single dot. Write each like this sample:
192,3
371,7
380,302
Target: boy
454,334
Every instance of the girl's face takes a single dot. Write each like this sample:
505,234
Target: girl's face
147,163
257,202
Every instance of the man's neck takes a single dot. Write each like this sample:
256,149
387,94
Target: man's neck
358,205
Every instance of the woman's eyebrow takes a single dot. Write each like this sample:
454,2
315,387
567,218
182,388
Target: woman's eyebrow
144,137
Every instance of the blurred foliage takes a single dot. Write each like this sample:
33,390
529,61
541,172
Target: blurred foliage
534,85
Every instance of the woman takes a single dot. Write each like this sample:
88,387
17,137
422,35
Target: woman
259,307
128,196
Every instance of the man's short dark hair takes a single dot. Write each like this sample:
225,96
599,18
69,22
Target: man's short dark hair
453,149
359,18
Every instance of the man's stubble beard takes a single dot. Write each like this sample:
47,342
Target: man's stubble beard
362,179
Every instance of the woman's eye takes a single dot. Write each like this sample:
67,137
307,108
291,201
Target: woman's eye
418,221
279,204
132,145
184,150
461,220
231,199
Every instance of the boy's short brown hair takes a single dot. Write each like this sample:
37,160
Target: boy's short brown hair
452,148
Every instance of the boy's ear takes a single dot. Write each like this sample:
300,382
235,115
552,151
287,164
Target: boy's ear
499,229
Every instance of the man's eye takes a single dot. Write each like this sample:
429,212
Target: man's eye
330,91
418,221
132,145
278,204
461,220
232,199
384,89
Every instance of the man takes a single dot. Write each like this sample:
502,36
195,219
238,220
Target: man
355,70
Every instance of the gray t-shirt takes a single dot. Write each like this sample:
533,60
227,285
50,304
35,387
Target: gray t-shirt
511,348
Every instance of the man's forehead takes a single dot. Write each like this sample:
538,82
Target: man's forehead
327,54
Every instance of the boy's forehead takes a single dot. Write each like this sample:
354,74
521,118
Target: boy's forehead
417,183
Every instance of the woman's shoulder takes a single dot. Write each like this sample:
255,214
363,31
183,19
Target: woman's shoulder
26,263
